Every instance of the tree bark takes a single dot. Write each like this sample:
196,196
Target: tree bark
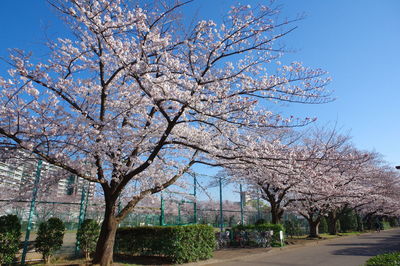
313,225
276,213
105,245
332,221
360,226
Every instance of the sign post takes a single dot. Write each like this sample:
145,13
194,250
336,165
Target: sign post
281,237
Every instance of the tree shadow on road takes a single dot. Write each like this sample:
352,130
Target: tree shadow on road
382,245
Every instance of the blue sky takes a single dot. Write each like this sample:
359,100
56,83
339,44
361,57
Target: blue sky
356,41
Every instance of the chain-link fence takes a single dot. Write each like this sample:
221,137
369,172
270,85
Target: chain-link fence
38,191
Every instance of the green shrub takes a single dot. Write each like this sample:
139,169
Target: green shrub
348,221
323,226
179,243
393,222
87,236
264,227
10,234
49,238
260,221
292,227
388,259
385,225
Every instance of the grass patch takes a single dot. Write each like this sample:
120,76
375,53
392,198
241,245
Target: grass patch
327,236
388,259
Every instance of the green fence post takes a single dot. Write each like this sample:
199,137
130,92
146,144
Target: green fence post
81,217
87,201
162,210
194,203
221,218
241,205
179,212
31,210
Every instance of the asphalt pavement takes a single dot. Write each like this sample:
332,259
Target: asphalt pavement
345,251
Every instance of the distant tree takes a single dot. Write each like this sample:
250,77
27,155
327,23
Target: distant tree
329,177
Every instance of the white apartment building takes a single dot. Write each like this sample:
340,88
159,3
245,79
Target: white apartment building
17,177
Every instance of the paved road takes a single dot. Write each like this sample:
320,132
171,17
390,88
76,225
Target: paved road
346,251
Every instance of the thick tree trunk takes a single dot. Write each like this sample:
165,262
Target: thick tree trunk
332,221
313,225
276,214
360,226
105,245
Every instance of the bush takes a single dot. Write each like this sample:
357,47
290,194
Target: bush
348,221
264,227
393,222
87,236
10,234
179,243
385,225
323,226
260,221
49,237
292,227
389,259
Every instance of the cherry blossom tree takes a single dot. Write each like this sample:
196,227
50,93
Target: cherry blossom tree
134,99
380,198
328,176
348,191
271,179
316,175
357,186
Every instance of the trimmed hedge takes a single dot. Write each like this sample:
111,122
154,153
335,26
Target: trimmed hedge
179,243
264,227
388,259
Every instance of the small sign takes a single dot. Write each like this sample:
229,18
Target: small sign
281,237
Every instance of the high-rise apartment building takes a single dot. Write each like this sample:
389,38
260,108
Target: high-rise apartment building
18,170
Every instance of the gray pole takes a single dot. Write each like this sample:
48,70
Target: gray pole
31,210
195,200
221,218
241,205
